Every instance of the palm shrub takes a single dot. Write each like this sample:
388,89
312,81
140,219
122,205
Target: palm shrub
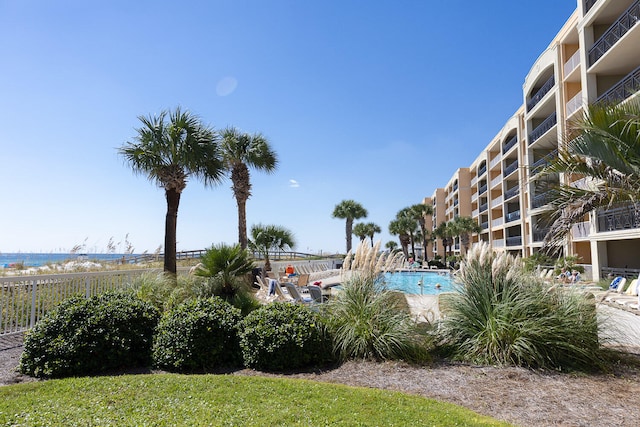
501,315
226,269
200,334
85,336
283,336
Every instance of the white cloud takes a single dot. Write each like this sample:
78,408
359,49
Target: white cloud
293,183
226,86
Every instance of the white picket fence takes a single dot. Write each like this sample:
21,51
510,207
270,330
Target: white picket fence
26,299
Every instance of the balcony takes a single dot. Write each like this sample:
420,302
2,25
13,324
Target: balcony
474,197
484,207
546,87
474,180
623,89
616,31
540,200
539,234
475,213
482,170
495,161
511,216
539,164
574,104
482,189
455,187
581,230
514,241
510,168
588,4
495,181
484,225
498,243
497,222
455,202
543,128
621,218
509,144
511,192
572,63
496,202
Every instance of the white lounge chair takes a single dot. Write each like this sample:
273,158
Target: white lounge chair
316,294
297,296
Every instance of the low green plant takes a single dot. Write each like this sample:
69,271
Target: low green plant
502,315
85,336
530,263
199,334
154,288
282,336
368,321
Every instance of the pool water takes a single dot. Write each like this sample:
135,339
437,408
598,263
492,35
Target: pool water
409,282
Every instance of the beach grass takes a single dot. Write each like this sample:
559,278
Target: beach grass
170,399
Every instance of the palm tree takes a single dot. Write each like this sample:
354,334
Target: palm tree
446,231
391,245
227,264
399,227
169,149
349,210
265,238
241,151
464,225
420,212
606,151
409,216
366,229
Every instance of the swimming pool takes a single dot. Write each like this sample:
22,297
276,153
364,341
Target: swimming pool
409,282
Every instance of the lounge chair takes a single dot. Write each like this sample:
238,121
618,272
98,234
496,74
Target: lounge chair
303,279
543,273
630,296
296,295
615,287
316,294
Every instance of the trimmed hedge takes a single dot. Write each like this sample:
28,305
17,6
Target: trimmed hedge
282,336
199,334
85,336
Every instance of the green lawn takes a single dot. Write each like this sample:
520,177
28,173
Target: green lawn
197,400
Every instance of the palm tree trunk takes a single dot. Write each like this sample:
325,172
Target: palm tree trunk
242,222
171,222
349,230
413,246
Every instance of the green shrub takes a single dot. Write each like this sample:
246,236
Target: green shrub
153,288
504,316
84,336
368,321
199,334
282,336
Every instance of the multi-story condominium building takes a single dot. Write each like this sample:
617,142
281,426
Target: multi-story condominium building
595,57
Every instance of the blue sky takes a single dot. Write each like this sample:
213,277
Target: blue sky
374,101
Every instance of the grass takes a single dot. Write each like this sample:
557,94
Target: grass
169,399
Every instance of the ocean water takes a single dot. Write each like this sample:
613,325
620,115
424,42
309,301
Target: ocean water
39,259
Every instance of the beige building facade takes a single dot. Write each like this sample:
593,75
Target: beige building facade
595,57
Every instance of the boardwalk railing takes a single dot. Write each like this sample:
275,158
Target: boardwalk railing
26,299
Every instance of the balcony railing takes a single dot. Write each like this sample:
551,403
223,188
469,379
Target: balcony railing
621,218
455,187
588,4
510,168
511,216
482,189
455,202
496,202
514,241
574,104
484,207
622,90
572,63
495,161
475,213
511,192
543,128
544,161
546,87
581,230
498,243
495,181
474,180
482,170
507,146
474,197
540,200
484,225
497,222
539,235
616,31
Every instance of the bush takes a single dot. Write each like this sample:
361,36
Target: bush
153,288
283,336
84,336
198,335
504,316
368,321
